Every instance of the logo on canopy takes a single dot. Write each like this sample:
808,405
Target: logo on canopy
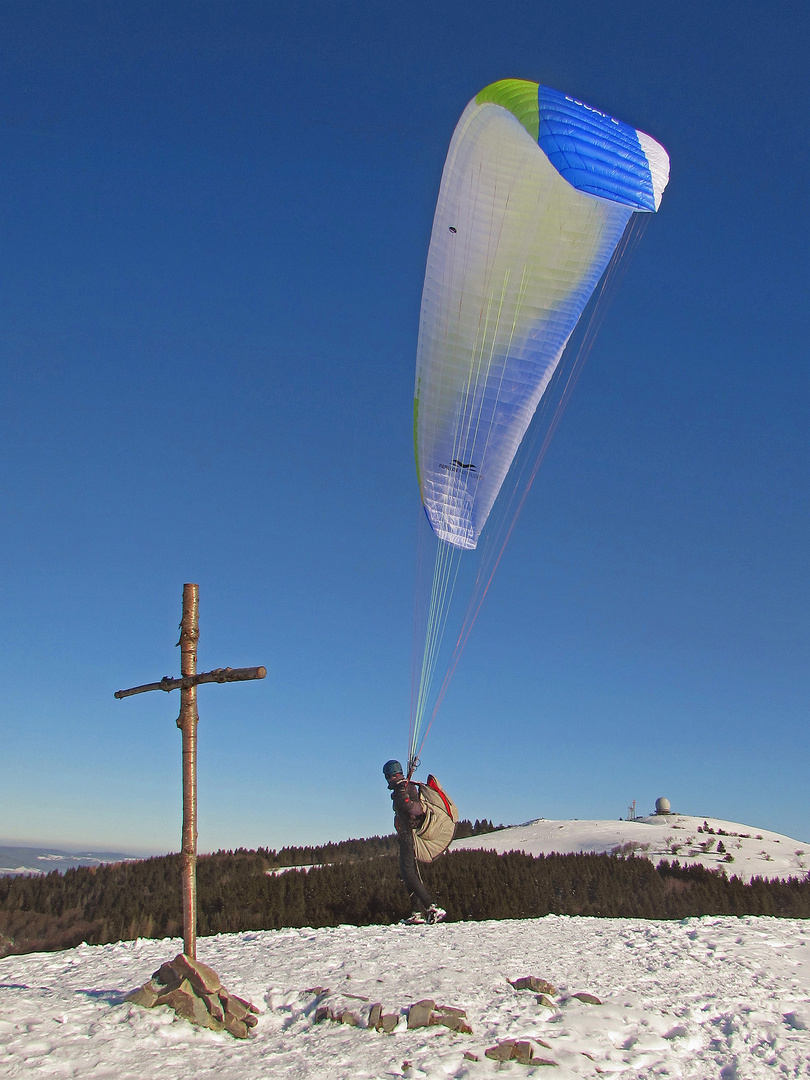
457,466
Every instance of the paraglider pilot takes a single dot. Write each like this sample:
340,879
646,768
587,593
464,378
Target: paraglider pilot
409,814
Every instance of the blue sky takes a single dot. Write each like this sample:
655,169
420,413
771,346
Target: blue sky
214,226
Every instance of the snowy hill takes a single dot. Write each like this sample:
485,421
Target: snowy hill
31,860
697,998
691,840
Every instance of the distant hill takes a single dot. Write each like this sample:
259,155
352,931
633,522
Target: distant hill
16,860
692,840
735,849
30,860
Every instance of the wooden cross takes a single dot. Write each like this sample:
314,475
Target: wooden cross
187,722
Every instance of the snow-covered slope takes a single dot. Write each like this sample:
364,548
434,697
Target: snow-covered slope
710,997
28,860
753,852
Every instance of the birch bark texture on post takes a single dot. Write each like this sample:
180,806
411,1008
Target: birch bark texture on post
187,722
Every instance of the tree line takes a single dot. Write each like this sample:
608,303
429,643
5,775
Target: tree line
360,849
242,890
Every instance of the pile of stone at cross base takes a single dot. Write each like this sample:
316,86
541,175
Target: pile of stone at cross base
195,993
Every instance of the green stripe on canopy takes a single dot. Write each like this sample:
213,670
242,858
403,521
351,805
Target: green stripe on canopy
519,97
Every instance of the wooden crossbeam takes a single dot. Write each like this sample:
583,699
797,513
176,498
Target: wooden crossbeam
220,675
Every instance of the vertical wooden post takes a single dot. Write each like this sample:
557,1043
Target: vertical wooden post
187,722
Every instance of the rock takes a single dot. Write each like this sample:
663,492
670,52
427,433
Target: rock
167,976
454,1023
450,1009
184,989
339,1014
419,1014
318,991
546,1001
195,993
214,1006
470,1056
203,978
423,1013
190,1007
588,999
531,982
145,995
236,1005
501,1051
450,1017
427,1013
520,1050
241,1009
237,1028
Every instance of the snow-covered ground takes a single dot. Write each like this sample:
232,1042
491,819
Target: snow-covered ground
754,852
306,867
711,997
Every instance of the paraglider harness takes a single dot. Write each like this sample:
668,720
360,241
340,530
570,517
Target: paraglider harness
436,831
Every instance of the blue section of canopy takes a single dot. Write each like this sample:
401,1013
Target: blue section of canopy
594,152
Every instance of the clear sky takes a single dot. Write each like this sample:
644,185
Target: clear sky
214,220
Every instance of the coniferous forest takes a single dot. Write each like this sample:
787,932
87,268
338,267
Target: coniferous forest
357,882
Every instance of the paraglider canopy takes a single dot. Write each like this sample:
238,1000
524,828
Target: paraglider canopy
536,193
